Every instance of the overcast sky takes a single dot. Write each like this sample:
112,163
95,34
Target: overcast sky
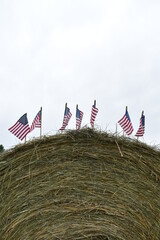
75,51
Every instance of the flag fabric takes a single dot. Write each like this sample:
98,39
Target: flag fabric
94,112
37,121
67,116
79,116
126,124
21,128
141,129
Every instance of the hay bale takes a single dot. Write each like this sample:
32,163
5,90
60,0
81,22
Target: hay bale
80,185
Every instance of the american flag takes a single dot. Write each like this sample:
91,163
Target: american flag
126,124
21,128
141,129
79,116
67,116
37,121
94,112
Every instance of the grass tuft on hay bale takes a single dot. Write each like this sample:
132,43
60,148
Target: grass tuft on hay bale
80,185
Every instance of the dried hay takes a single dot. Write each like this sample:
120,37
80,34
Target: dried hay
80,185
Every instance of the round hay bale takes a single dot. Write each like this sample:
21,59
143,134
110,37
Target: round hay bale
80,185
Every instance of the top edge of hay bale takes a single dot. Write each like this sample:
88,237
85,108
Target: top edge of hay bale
80,135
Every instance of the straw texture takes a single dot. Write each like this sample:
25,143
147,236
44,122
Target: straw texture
80,185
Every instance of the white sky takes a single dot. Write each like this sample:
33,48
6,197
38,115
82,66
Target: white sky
75,51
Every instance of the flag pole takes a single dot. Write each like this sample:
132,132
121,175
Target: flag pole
41,123
94,106
142,113
141,116
25,140
64,113
65,108
116,129
125,112
76,113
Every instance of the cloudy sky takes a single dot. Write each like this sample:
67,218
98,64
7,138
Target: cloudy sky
75,51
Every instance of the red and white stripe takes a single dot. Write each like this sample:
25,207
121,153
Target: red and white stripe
20,130
65,121
141,129
36,122
94,112
126,125
79,120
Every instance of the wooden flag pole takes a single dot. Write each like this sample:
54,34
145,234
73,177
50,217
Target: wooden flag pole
125,112
25,140
116,129
76,113
41,124
65,108
141,116
94,106
64,113
142,113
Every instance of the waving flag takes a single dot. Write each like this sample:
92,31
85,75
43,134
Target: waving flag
126,124
94,112
141,129
79,116
67,116
37,121
21,128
